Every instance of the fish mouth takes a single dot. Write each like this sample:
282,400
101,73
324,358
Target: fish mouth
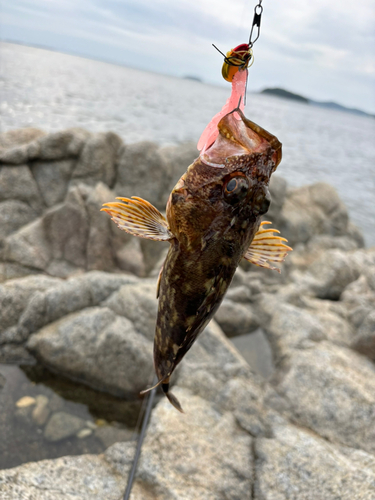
239,136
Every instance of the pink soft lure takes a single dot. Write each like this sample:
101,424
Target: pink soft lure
211,132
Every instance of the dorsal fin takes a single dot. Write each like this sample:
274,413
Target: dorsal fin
139,218
266,248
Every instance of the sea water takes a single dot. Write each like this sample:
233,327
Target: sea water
53,91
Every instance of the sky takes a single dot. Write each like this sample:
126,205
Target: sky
320,49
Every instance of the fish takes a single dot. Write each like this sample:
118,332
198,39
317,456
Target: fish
213,220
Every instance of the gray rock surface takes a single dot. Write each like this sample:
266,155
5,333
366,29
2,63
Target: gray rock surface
296,464
97,161
136,302
235,318
302,428
13,215
364,341
225,464
98,348
14,297
86,477
137,162
53,179
17,183
331,390
62,425
310,210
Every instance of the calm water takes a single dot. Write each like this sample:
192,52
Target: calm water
53,91
104,419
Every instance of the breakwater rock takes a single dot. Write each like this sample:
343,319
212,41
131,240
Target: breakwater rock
78,295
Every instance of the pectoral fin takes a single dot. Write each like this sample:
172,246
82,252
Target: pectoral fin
139,218
266,248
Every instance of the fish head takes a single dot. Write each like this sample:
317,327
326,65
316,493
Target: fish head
225,190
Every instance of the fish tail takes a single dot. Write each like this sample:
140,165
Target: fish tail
171,397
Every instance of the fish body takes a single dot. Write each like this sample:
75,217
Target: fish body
213,220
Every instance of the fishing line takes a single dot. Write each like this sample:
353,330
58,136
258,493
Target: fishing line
142,409
240,58
150,401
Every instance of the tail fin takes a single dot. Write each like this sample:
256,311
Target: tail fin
172,398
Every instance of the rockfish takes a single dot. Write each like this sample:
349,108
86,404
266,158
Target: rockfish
213,220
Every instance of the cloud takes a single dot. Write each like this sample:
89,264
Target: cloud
308,46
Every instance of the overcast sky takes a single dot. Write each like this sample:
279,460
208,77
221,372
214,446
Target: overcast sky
323,50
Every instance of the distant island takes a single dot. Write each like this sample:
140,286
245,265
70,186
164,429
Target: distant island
285,94
191,77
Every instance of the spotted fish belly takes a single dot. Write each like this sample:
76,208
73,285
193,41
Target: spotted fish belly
191,290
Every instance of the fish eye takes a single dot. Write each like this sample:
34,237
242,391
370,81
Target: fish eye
231,186
236,189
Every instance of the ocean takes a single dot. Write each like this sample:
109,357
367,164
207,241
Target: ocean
53,91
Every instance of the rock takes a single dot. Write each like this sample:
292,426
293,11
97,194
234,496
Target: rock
296,464
110,435
290,328
332,272
236,319
13,215
98,159
15,354
364,341
84,433
256,350
25,401
310,210
243,397
178,158
98,348
14,296
136,302
304,255
60,145
10,270
224,469
359,298
331,390
52,178
62,425
239,294
210,363
17,183
130,258
29,247
137,163
66,228
278,189
17,137
41,411
68,296
87,477
152,252
99,250
53,146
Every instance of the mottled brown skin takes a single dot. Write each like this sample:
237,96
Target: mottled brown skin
213,228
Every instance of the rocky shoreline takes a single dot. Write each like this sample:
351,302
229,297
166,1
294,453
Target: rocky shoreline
79,296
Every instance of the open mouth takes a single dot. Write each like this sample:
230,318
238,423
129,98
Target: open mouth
239,136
